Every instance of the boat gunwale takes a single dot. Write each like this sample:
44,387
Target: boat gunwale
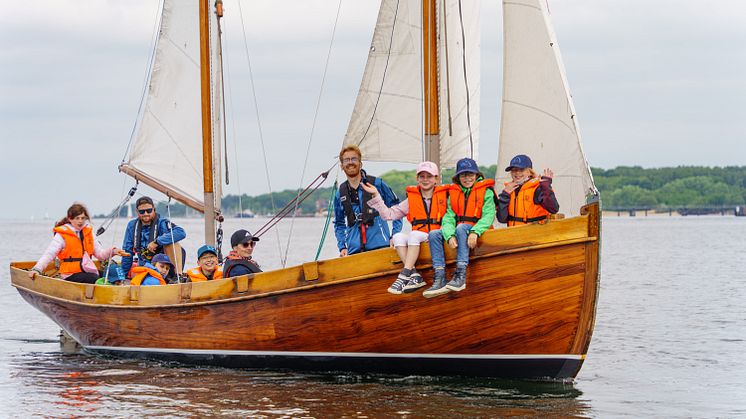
286,290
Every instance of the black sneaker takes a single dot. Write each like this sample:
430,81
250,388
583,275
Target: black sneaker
415,281
398,286
439,285
458,282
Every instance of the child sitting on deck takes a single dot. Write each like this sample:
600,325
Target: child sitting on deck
152,274
424,208
527,198
471,211
207,265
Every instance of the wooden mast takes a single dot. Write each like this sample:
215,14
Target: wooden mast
430,80
204,59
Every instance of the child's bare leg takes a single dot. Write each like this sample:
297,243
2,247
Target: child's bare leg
412,253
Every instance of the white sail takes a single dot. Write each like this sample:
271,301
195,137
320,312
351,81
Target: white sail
167,150
459,58
387,122
538,116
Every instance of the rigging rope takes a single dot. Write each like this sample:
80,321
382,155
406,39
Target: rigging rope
466,80
383,79
329,211
313,128
259,125
286,210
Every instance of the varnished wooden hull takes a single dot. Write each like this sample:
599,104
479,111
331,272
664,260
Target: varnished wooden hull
527,312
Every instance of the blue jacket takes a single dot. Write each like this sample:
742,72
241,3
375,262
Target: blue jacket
150,279
377,235
164,238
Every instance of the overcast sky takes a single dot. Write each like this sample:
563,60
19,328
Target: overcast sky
655,83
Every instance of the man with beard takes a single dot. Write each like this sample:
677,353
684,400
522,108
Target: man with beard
147,234
358,227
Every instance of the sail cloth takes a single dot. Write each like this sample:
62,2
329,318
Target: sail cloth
167,150
387,120
538,116
459,68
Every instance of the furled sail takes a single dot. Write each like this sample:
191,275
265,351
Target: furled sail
167,150
538,116
387,121
459,58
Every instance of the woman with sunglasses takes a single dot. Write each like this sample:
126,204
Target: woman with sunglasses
239,261
74,246
148,233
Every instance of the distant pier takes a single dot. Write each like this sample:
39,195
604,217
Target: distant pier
736,210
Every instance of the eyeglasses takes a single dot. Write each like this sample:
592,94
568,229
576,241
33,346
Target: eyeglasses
247,244
145,211
350,160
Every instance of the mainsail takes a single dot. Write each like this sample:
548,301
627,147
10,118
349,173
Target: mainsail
387,120
538,116
167,150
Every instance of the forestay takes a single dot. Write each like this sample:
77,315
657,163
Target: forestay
387,120
167,151
538,116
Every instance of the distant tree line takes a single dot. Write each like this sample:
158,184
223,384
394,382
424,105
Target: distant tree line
621,187
671,187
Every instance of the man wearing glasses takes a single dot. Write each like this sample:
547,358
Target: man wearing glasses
358,227
148,234
239,261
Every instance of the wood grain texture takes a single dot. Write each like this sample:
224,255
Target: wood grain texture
530,290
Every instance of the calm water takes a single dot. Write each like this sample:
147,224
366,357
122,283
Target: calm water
669,341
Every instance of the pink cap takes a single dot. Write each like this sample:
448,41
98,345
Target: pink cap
429,167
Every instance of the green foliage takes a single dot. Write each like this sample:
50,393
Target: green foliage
681,186
621,187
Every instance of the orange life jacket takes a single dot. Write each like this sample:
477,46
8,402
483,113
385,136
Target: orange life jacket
196,275
140,272
418,216
522,209
468,209
71,256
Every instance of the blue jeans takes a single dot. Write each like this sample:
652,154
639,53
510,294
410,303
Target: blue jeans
437,251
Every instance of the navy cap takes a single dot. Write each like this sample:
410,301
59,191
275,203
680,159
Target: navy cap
206,249
162,258
520,161
466,165
242,236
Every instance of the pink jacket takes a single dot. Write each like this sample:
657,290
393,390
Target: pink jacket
396,212
58,243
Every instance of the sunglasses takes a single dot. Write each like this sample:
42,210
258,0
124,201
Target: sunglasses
247,244
145,211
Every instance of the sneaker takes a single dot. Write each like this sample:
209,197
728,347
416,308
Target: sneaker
439,285
458,282
415,281
398,286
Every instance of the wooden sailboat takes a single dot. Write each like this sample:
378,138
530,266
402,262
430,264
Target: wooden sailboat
529,308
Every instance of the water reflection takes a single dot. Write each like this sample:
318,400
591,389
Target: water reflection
54,384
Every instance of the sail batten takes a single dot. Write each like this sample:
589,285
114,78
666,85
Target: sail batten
538,116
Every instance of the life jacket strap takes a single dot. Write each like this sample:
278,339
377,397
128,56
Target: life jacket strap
425,221
72,259
527,220
461,219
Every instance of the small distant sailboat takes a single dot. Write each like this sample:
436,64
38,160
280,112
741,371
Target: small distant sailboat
529,308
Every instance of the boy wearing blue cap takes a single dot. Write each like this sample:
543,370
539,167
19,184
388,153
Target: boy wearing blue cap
527,198
153,272
207,265
471,212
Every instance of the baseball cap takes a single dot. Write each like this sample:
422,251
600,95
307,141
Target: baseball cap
427,166
466,165
206,249
242,236
520,161
162,258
